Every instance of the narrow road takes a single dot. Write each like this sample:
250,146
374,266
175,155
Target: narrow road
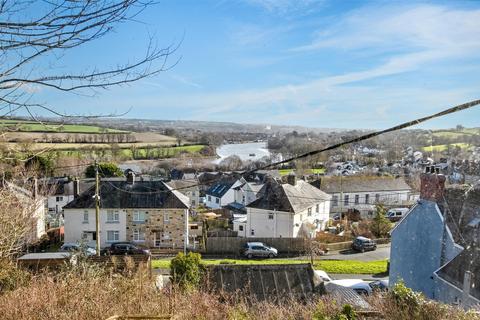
382,252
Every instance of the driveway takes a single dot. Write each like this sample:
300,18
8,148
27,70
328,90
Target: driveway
382,253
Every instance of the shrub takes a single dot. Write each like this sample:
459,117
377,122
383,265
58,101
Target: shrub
380,226
186,270
406,299
11,277
105,169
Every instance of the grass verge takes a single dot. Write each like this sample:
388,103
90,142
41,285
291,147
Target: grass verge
329,266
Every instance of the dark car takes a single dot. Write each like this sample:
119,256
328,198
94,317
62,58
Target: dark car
125,248
363,244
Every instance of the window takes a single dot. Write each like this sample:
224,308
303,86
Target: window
194,227
209,198
317,208
346,200
377,198
193,202
335,201
166,217
113,236
217,200
85,216
243,199
138,235
270,216
84,235
252,232
357,199
240,228
367,198
193,193
138,216
309,212
113,216
59,199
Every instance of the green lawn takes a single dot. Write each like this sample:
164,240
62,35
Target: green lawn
31,126
329,266
443,147
284,172
161,152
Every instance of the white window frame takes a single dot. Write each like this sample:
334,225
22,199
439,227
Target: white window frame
309,212
137,216
271,216
138,235
113,236
113,216
166,217
317,208
85,215
335,201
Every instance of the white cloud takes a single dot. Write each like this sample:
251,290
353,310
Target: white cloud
397,28
283,7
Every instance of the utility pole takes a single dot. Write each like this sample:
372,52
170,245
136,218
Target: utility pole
97,207
185,241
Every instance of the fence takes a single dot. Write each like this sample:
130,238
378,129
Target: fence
230,245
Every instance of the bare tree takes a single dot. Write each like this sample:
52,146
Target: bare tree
17,222
31,30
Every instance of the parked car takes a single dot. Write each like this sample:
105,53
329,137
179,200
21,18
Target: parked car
125,248
396,214
358,285
363,286
363,244
75,247
323,275
379,285
258,249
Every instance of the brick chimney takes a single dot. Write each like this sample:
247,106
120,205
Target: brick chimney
76,188
292,179
432,185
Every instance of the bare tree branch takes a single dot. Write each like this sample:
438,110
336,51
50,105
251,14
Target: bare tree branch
33,29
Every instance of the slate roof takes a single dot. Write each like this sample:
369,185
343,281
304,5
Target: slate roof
454,271
362,184
182,184
221,187
462,207
288,198
266,282
141,194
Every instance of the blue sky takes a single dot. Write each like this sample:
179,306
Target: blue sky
341,64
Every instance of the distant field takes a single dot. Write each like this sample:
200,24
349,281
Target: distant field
456,134
123,148
284,172
443,147
32,126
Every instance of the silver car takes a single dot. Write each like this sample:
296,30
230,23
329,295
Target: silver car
259,250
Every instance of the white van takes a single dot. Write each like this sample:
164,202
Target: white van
395,214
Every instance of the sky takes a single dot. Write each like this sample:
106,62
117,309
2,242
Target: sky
333,64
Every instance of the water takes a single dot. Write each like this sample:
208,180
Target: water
243,150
